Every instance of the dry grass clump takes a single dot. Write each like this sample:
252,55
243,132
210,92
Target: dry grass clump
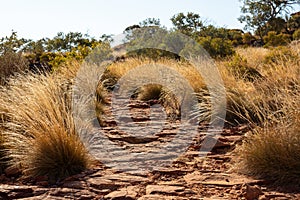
239,67
272,149
256,98
164,96
150,92
101,103
40,134
241,96
10,64
253,55
3,119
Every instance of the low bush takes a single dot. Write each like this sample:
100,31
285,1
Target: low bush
217,47
273,39
296,35
280,55
248,39
239,67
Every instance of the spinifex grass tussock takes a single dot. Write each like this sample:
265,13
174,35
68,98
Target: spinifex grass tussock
150,92
271,150
240,95
253,55
261,98
40,133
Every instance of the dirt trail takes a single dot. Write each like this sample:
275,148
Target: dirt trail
189,177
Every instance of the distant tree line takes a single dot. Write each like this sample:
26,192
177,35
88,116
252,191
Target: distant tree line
48,52
268,22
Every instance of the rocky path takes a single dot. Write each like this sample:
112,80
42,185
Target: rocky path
188,177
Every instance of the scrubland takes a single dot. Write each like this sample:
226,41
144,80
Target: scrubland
39,137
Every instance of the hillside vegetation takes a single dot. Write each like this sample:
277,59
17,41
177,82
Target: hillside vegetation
260,71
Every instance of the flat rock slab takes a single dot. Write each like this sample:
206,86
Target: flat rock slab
102,183
130,192
163,189
162,197
218,179
133,179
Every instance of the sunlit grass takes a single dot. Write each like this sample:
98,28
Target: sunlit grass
271,150
40,134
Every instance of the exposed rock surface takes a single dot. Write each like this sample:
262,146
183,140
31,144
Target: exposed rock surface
190,176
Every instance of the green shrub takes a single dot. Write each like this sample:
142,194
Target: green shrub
239,67
280,55
217,47
273,39
154,54
296,35
248,38
236,37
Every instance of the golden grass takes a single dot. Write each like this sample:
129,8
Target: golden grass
40,134
40,137
247,101
119,69
253,55
10,64
271,150
3,161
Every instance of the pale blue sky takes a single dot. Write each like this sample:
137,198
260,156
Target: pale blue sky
36,19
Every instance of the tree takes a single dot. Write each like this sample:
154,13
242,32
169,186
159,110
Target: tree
11,43
257,13
150,22
214,32
293,23
278,24
68,42
187,24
